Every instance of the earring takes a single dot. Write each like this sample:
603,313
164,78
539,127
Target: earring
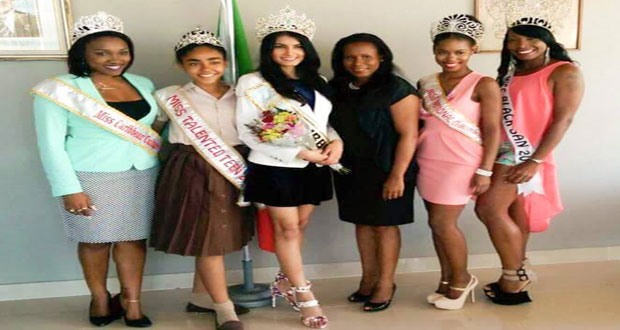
513,63
547,55
85,68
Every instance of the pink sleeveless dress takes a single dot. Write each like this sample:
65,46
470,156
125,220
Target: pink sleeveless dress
533,108
447,158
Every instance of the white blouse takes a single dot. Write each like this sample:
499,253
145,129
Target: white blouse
265,153
219,114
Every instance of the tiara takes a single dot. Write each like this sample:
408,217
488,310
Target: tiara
98,22
287,20
547,14
198,36
458,23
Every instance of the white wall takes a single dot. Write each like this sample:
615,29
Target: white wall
33,247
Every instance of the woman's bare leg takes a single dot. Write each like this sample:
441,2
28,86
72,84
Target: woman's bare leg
288,238
443,220
492,209
129,258
95,259
212,273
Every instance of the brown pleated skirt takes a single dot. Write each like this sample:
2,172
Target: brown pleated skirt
196,211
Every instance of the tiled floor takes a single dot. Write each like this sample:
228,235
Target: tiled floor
567,296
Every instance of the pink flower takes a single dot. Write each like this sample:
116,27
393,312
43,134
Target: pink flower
298,130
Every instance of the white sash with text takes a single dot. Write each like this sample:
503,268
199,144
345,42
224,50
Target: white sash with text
522,146
225,159
435,103
99,113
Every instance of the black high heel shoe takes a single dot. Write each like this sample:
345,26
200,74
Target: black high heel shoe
101,321
193,308
494,292
230,325
357,297
143,322
490,288
377,307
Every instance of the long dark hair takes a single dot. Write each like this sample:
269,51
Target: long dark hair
77,53
380,79
307,70
556,50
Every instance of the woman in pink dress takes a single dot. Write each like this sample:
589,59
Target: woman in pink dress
542,91
456,149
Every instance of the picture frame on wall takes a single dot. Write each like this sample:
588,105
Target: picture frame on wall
34,29
491,14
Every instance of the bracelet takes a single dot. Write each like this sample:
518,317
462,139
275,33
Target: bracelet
484,172
537,161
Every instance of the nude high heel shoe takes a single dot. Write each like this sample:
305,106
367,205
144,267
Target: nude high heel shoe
431,298
447,303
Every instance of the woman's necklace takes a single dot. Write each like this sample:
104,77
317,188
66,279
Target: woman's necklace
101,86
353,87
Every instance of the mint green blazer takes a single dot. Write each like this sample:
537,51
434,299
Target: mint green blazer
68,143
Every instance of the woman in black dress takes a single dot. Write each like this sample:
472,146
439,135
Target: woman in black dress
376,114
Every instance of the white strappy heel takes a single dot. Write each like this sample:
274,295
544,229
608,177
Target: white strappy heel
447,303
315,322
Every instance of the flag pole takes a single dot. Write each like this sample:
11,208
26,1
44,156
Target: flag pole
230,23
248,294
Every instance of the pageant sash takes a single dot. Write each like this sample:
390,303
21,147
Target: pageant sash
274,100
522,146
436,103
225,159
99,113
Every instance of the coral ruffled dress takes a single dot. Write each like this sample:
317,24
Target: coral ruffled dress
533,108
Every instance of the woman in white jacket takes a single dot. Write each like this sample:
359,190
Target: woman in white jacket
289,180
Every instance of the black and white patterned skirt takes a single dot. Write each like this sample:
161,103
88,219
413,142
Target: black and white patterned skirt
125,202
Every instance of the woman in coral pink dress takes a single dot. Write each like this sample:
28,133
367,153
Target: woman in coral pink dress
541,91
456,148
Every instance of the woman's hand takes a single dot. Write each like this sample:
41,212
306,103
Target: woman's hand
333,151
79,204
521,173
480,184
313,156
394,187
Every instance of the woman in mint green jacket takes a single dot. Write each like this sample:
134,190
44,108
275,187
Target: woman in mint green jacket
100,157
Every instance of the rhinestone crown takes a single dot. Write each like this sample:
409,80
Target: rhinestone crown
98,22
287,20
198,36
458,23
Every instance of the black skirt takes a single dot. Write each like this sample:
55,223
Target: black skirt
286,186
360,198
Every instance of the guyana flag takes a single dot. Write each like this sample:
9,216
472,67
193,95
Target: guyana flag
230,30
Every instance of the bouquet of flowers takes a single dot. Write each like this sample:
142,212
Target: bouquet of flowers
286,128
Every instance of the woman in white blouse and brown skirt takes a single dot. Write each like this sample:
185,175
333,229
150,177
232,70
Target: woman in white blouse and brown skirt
196,198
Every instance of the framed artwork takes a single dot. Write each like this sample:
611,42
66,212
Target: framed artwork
34,29
567,30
